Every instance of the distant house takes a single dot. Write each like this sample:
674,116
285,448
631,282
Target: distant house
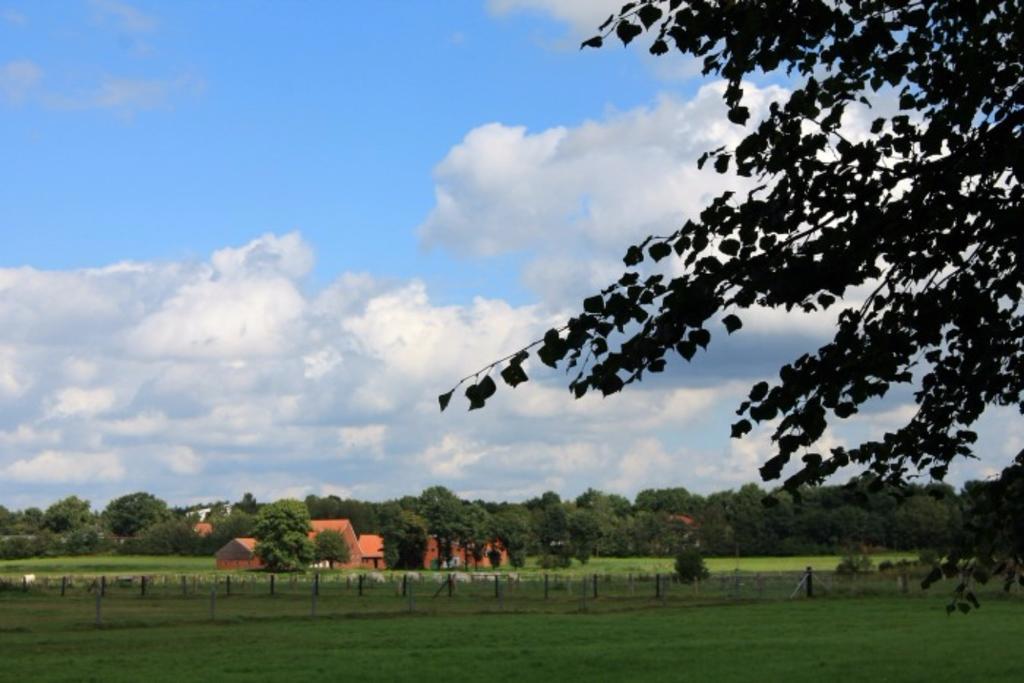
371,550
343,527
203,528
238,553
461,556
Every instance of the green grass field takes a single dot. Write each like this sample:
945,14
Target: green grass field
137,564
867,639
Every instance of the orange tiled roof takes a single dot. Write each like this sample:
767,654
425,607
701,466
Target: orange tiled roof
203,528
318,525
685,519
249,543
371,545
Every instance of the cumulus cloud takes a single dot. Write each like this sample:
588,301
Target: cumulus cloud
581,195
18,79
64,467
583,16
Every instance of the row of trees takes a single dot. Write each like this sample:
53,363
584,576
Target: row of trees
658,522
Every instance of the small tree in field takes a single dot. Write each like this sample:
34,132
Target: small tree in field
690,566
332,548
281,532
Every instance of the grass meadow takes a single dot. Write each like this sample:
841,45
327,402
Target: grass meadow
93,565
866,639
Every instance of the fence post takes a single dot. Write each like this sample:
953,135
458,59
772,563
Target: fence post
595,586
184,585
63,585
545,586
409,594
657,586
903,582
103,586
316,583
99,599
272,576
213,602
227,585
810,582
405,584
360,585
630,582
314,592
142,587
497,588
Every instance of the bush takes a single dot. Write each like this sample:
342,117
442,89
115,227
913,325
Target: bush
855,562
928,557
555,561
690,566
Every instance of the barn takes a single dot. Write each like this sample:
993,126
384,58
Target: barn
238,553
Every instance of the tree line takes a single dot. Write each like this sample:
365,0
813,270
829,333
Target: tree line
658,522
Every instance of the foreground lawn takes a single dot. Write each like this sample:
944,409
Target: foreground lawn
850,640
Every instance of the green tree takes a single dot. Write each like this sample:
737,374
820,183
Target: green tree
511,529
584,533
405,537
166,537
128,515
248,504
282,539
331,547
446,518
68,514
922,211
690,565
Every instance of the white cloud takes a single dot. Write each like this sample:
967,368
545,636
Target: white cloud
583,16
59,467
13,17
581,195
127,96
201,380
126,18
18,79
75,401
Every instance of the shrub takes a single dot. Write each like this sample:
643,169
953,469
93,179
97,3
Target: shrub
555,561
855,562
690,566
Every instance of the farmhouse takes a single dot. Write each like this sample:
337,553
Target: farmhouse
461,556
240,553
371,548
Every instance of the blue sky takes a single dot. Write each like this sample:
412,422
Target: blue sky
246,246
222,124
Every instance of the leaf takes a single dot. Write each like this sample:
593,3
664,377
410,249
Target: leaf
627,31
739,115
686,349
659,47
607,22
594,304
659,250
445,399
759,391
514,375
701,337
740,428
732,323
595,42
722,163
649,14
487,387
